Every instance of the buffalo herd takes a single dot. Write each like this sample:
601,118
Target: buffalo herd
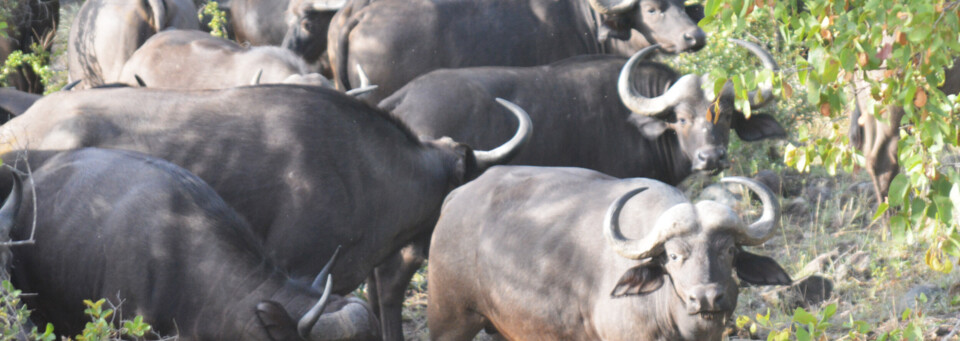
243,188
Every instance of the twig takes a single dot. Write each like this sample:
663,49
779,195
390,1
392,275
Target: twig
953,331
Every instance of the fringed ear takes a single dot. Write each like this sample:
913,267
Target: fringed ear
650,127
276,322
760,270
640,280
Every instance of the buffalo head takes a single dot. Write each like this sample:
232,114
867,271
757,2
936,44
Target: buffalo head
697,247
702,123
307,23
664,22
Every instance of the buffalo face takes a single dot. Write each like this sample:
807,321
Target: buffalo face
700,122
307,23
692,252
664,22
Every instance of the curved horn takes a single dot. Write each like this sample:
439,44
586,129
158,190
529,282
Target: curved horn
8,213
685,86
761,230
318,282
506,152
364,80
764,95
676,220
159,10
70,85
357,92
256,78
311,317
328,5
612,6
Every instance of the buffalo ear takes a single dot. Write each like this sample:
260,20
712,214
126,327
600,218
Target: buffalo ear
695,12
276,321
760,270
616,26
640,280
650,127
758,127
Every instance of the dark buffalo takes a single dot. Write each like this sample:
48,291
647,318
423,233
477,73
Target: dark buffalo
307,24
190,59
309,168
28,22
105,34
537,254
14,102
396,41
581,122
158,242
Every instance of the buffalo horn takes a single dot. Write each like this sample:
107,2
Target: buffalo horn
364,87
674,221
765,95
686,86
140,81
256,78
318,282
70,85
510,149
761,230
612,6
311,317
8,212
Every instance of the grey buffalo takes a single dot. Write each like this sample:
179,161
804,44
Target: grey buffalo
662,126
540,254
190,59
28,22
14,102
396,41
105,34
308,167
160,243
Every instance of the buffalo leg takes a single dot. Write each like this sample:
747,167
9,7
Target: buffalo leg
880,149
392,278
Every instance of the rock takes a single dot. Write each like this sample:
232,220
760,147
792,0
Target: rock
796,206
720,194
807,292
770,179
818,192
820,264
912,297
856,266
859,190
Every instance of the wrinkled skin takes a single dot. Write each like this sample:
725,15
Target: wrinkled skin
163,243
29,22
182,59
396,41
105,34
520,250
324,163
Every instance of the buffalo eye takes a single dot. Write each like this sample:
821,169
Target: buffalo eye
674,257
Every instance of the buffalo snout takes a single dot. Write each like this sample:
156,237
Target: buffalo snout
710,159
709,298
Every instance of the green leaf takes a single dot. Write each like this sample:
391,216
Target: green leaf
898,190
881,209
803,317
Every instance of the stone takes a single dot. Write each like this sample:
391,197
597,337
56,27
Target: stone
806,293
769,178
855,266
912,297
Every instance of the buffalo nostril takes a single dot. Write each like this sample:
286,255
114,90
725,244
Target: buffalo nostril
701,156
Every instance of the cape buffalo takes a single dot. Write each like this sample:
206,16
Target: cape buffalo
158,242
396,41
106,32
309,168
14,102
307,24
581,122
28,22
536,254
189,59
